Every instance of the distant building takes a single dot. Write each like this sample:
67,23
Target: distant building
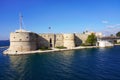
104,43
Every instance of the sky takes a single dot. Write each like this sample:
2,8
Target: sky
63,16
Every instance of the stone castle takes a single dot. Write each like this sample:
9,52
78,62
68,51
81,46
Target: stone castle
21,41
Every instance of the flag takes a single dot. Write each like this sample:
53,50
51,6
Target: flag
49,28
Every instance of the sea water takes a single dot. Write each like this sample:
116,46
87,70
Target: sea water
83,64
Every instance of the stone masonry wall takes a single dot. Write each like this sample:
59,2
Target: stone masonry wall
69,40
28,41
80,38
47,40
59,40
23,41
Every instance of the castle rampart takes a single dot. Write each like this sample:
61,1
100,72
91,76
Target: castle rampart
47,40
69,40
29,41
80,38
59,40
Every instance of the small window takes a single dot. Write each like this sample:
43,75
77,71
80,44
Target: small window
27,37
14,37
20,39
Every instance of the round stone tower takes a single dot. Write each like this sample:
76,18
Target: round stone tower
22,41
69,40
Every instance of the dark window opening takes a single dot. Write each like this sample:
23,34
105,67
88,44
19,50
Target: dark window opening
20,40
50,42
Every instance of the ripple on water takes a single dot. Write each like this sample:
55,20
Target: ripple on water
84,64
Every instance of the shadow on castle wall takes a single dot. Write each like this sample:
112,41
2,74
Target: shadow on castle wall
42,42
78,41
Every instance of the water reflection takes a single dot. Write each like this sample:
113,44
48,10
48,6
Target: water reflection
21,66
94,64
43,64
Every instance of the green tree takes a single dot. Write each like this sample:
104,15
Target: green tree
111,35
118,34
91,40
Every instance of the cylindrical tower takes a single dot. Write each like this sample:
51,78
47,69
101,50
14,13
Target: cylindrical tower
69,40
22,41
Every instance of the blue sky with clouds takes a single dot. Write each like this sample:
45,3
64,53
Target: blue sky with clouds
67,16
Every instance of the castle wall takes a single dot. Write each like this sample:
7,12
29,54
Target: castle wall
23,41
59,40
28,41
69,40
66,40
80,38
47,40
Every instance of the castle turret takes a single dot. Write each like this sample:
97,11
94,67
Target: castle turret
22,41
69,40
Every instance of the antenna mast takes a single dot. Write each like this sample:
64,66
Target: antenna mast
21,22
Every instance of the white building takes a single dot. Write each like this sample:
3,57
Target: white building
104,43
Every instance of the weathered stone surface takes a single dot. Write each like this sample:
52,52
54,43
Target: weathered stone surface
69,40
23,41
29,41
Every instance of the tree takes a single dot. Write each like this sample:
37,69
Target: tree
111,35
118,34
92,39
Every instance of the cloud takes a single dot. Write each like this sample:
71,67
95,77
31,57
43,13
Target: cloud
113,26
105,21
111,29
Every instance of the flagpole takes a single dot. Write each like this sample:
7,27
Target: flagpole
20,22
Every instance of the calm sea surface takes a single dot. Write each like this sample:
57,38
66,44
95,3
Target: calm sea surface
4,43
84,64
